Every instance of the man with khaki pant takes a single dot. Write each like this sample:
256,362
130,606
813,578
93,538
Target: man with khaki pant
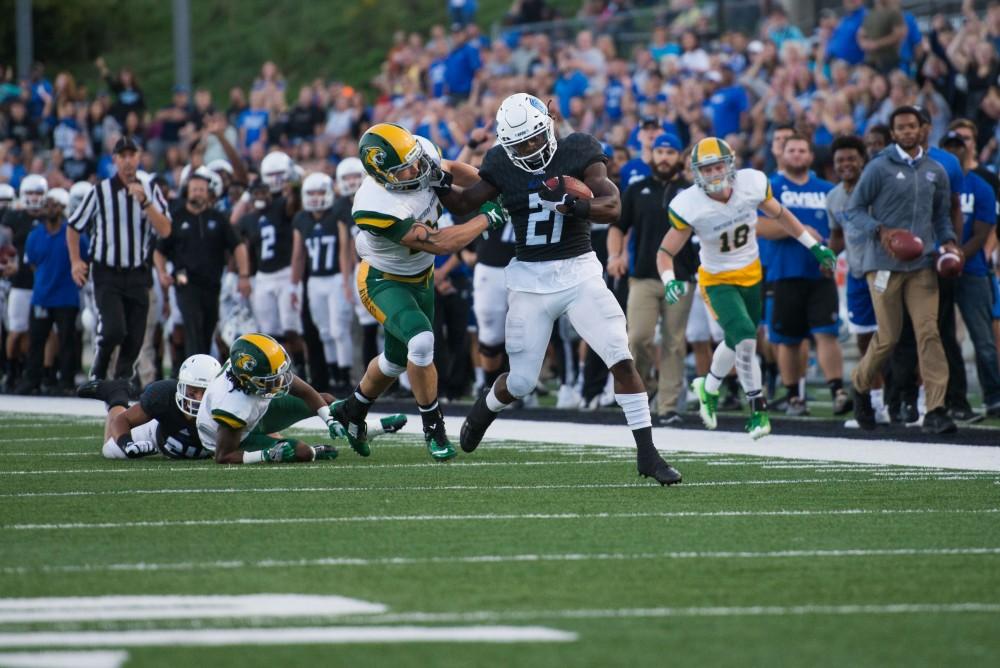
902,189
644,215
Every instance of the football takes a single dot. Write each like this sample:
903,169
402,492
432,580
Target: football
949,264
574,186
904,245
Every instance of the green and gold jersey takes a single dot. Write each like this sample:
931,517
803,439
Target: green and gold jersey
383,218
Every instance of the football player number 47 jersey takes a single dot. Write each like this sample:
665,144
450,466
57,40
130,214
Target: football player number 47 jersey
727,230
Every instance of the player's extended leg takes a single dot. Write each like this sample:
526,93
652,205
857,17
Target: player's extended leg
598,318
530,317
738,310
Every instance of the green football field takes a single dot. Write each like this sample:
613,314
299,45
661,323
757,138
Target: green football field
521,554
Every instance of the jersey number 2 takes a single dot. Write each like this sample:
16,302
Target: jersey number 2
536,214
740,236
267,239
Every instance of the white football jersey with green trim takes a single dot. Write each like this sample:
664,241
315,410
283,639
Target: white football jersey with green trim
727,230
384,217
224,404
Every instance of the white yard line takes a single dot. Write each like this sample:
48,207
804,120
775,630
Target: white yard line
63,659
103,608
287,636
734,611
489,517
320,562
923,477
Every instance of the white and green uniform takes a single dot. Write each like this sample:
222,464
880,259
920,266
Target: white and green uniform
395,282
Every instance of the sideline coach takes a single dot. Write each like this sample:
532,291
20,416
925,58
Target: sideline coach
121,214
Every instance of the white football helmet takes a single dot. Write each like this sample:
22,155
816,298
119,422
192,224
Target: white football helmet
33,189
197,372
8,195
350,174
317,192
77,193
220,165
60,196
239,322
276,169
526,132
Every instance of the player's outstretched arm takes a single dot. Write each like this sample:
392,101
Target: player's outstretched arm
227,445
606,206
826,258
462,201
453,239
672,243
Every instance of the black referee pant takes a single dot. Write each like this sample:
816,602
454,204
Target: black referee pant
199,305
122,299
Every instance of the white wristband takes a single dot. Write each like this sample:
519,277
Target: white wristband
807,239
667,276
324,414
255,457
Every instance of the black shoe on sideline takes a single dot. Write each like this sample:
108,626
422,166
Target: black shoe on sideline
669,419
92,389
863,411
937,421
966,415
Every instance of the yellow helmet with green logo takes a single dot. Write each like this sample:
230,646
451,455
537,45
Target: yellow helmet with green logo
259,365
387,149
709,151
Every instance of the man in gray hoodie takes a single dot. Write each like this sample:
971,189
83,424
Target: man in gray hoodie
902,189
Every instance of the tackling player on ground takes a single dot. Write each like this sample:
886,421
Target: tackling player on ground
721,208
396,210
555,270
256,396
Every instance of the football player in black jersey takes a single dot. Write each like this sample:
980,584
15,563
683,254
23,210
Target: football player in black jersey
318,250
163,421
555,270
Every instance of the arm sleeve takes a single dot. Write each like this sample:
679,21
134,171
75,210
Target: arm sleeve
489,171
159,201
676,216
80,219
383,224
624,221
941,213
32,248
856,214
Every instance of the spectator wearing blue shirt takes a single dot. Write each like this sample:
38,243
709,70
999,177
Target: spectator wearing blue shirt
461,64
727,104
806,303
252,123
571,83
55,300
975,289
780,30
462,12
843,44
909,50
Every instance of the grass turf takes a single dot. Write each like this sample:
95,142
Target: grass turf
519,534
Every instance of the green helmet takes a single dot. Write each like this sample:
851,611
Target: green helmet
260,366
387,149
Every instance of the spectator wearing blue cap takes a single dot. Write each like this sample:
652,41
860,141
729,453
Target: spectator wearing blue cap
644,220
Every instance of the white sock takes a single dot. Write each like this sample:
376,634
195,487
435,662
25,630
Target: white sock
802,388
746,366
878,399
493,402
722,362
636,407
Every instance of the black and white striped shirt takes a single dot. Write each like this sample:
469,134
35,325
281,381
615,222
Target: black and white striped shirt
120,232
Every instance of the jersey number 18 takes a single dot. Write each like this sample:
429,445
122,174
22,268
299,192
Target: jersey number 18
740,236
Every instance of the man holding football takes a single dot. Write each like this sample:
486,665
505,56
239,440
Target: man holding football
552,191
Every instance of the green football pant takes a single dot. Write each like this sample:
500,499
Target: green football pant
404,305
281,414
736,308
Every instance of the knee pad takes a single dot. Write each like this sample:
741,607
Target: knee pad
491,351
388,368
420,349
519,386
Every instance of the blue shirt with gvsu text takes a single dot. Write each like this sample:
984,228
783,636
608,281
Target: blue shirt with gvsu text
979,202
787,257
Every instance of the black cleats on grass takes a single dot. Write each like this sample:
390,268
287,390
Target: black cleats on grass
476,423
660,471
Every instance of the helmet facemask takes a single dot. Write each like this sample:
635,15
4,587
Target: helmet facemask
530,153
188,404
418,158
716,184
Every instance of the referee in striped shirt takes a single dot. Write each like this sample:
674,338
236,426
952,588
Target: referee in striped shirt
122,215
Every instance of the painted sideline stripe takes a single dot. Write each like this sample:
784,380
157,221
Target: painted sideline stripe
286,636
499,559
484,488
744,611
63,659
85,608
490,517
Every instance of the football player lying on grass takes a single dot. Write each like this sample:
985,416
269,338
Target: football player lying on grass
255,397
163,421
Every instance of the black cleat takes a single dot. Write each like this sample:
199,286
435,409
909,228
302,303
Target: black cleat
863,411
662,472
92,389
937,421
476,423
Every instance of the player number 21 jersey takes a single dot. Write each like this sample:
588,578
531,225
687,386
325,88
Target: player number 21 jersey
727,230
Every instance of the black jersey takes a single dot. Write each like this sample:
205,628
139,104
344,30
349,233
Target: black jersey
21,223
321,237
542,234
496,247
269,234
176,433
